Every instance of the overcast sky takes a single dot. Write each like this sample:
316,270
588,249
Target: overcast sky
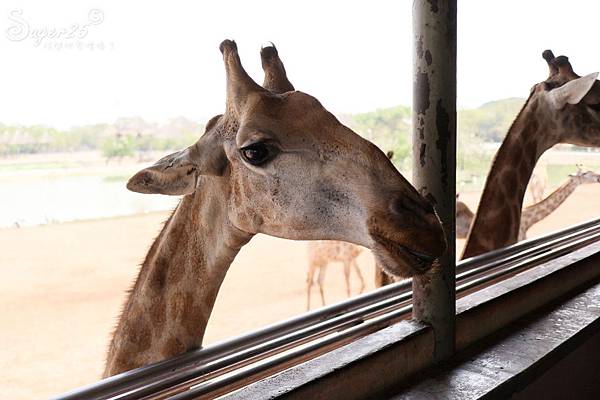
161,60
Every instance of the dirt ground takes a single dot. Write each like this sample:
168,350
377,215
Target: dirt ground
63,286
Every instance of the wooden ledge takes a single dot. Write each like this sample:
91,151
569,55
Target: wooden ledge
404,348
508,364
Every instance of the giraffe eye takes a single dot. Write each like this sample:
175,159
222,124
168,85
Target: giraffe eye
258,153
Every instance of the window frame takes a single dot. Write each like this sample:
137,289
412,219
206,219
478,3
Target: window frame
376,353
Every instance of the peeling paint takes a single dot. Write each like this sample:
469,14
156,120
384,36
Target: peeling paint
422,153
421,89
442,123
419,46
421,126
428,58
434,5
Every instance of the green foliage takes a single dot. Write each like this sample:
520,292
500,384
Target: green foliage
149,143
118,147
491,121
88,137
479,131
472,158
389,129
123,138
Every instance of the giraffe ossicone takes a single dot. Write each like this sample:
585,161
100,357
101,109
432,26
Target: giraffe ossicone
276,162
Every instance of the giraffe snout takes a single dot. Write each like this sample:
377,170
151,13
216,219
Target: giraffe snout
415,214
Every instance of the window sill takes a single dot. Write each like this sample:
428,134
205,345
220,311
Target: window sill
512,362
377,363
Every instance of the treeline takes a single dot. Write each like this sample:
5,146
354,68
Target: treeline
389,128
124,137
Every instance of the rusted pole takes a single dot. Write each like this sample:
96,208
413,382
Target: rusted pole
434,155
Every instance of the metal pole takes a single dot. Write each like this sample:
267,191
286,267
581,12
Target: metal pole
434,156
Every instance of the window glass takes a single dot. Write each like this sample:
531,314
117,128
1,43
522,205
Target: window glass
93,95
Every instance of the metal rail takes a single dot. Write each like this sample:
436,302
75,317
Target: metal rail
357,331
499,254
252,354
535,247
394,314
130,380
247,356
470,280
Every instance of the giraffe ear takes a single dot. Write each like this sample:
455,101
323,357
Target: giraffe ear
177,174
174,174
571,92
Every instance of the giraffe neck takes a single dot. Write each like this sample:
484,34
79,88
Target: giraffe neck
168,309
497,221
535,213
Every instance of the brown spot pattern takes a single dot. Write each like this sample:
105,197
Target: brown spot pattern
158,311
193,321
176,271
176,305
139,336
172,347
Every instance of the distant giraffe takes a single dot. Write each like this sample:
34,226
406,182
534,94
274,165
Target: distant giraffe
538,182
464,217
323,252
534,213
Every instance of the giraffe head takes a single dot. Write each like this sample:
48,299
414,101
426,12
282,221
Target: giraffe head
292,170
585,176
570,103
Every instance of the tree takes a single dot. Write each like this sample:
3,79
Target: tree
389,129
118,146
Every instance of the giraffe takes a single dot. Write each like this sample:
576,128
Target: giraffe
464,217
278,163
533,214
565,108
323,252
537,183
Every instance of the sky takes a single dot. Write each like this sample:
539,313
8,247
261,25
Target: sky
160,60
